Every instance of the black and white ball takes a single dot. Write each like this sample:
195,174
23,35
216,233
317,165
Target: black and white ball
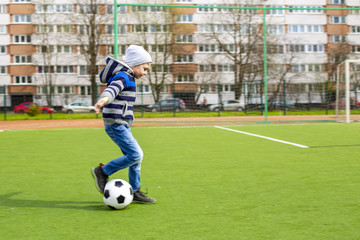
118,194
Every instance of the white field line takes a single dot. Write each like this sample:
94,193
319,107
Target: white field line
268,138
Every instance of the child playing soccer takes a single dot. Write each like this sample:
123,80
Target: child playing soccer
117,101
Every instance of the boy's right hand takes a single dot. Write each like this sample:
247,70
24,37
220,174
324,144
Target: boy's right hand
100,103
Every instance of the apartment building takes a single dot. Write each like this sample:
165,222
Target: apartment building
194,49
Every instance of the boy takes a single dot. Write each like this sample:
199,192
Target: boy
118,99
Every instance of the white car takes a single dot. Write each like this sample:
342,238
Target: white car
228,105
78,108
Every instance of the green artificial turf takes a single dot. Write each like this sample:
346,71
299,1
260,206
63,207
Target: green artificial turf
210,184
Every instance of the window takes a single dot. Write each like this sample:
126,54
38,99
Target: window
184,38
159,68
210,9
149,28
157,48
2,69
217,68
58,89
44,28
46,69
276,29
184,18
247,10
275,49
22,38
65,49
2,29
183,1
64,28
55,49
141,88
121,29
45,49
2,49
313,10
54,8
337,1
2,8
275,11
305,28
56,69
355,49
306,68
22,18
315,68
208,48
87,9
184,58
338,19
302,48
83,70
153,9
355,11
23,58
247,29
355,29
65,69
184,78
338,38
315,48
110,9
85,90
23,80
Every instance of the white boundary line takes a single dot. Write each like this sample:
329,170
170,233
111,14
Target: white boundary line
268,138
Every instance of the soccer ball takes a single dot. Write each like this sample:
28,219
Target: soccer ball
118,194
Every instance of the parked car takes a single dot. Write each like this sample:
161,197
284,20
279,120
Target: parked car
280,104
228,105
78,107
342,103
167,105
23,107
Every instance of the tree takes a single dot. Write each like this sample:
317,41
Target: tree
47,38
236,35
151,29
91,19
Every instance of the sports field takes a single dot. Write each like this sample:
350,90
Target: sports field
264,181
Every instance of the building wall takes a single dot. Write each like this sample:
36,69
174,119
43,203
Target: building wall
177,69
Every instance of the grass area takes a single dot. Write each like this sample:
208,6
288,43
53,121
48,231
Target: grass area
165,114
209,183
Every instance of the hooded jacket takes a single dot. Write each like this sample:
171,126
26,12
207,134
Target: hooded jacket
121,91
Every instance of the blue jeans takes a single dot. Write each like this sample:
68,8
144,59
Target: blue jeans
133,155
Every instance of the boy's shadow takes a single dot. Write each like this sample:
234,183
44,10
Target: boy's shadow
7,201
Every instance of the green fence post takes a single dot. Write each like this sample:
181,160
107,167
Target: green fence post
326,97
265,66
174,106
5,102
142,99
50,96
219,99
116,47
284,103
96,94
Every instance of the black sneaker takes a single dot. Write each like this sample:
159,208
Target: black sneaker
100,178
140,197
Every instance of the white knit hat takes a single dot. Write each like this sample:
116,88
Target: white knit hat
136,55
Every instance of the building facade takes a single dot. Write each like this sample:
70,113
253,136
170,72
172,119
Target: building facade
197,51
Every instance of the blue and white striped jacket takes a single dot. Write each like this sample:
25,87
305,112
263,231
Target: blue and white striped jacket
121,91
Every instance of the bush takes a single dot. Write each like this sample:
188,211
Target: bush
34,110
